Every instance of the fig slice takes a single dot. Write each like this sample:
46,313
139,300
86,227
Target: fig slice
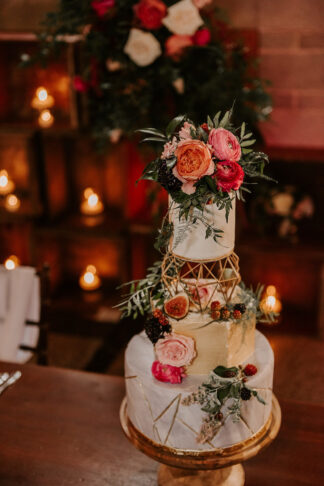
177,306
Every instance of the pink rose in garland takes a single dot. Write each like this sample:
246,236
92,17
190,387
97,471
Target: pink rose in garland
101,7
225,144
175,350
167,373
194,161
150,13
229,175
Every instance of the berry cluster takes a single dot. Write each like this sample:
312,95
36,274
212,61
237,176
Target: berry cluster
157,326
222,312
250,370
167,179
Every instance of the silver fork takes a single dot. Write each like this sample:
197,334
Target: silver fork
3,378
10,381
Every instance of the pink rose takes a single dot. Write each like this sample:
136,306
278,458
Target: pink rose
167,373
80,84
150,13
175,44
184,133
175,350
200,295
225,144
229,175
101,7
202,37
169,148
194,161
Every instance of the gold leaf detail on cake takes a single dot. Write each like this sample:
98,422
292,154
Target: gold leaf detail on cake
130,377
173,419
194,431
167,408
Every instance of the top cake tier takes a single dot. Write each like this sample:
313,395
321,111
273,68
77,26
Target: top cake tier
189,240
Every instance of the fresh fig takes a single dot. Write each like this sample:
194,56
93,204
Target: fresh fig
177,307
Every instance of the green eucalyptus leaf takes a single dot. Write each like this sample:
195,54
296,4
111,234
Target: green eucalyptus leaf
174,124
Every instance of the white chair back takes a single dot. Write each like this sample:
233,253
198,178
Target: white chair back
19,302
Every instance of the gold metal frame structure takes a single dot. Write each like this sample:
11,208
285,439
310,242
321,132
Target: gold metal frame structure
217,276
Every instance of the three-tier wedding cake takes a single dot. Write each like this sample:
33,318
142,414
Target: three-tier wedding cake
199,376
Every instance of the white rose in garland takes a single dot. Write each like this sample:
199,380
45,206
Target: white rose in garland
142,47
183,18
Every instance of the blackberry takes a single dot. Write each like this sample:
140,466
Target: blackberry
240,307
155,330
245,393
167,179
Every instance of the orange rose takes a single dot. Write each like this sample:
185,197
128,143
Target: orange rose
194,161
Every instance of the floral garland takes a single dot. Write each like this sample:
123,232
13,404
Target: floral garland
142,60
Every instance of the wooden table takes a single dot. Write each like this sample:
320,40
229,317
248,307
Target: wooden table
61,428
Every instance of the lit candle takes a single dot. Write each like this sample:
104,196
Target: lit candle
89,279
12,203
271,301
91,205
45,119
6,184
12,262
42,99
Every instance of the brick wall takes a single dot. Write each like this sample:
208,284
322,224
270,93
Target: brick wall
291,39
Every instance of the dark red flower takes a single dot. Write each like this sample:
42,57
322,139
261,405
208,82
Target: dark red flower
150,13
229,175
101,7
202,37
80,84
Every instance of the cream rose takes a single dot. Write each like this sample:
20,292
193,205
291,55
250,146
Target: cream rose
183,18
142,47
175,350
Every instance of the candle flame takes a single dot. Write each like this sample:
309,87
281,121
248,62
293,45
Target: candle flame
271,302
93,199
4,178
12,262
91,269
41,94
88,277
45,115
12,200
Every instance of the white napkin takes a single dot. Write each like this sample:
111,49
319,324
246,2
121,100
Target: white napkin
19,301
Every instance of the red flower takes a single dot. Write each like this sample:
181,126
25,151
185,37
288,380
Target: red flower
101,7
204,126
150,13
202,37
167,373
229,175
80,84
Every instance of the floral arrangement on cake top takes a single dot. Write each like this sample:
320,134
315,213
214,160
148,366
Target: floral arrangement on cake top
203,164
126,48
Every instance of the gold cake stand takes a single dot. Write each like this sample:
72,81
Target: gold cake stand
217,467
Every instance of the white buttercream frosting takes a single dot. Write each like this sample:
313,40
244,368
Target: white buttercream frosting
189,240
155,408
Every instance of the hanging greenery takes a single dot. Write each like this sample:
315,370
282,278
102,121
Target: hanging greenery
143,61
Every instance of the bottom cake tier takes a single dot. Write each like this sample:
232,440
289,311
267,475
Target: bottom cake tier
157,410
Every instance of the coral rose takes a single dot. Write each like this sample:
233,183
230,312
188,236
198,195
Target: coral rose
194,161
167,373
229,175
175,45
150,13
101,7
225,144
175,350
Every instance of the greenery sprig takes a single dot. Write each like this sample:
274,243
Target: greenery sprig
220,397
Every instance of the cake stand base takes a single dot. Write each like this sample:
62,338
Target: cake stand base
174,476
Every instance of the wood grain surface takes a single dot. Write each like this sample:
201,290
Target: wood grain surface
61,428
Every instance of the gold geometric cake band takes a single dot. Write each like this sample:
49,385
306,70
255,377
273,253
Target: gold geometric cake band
181,275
